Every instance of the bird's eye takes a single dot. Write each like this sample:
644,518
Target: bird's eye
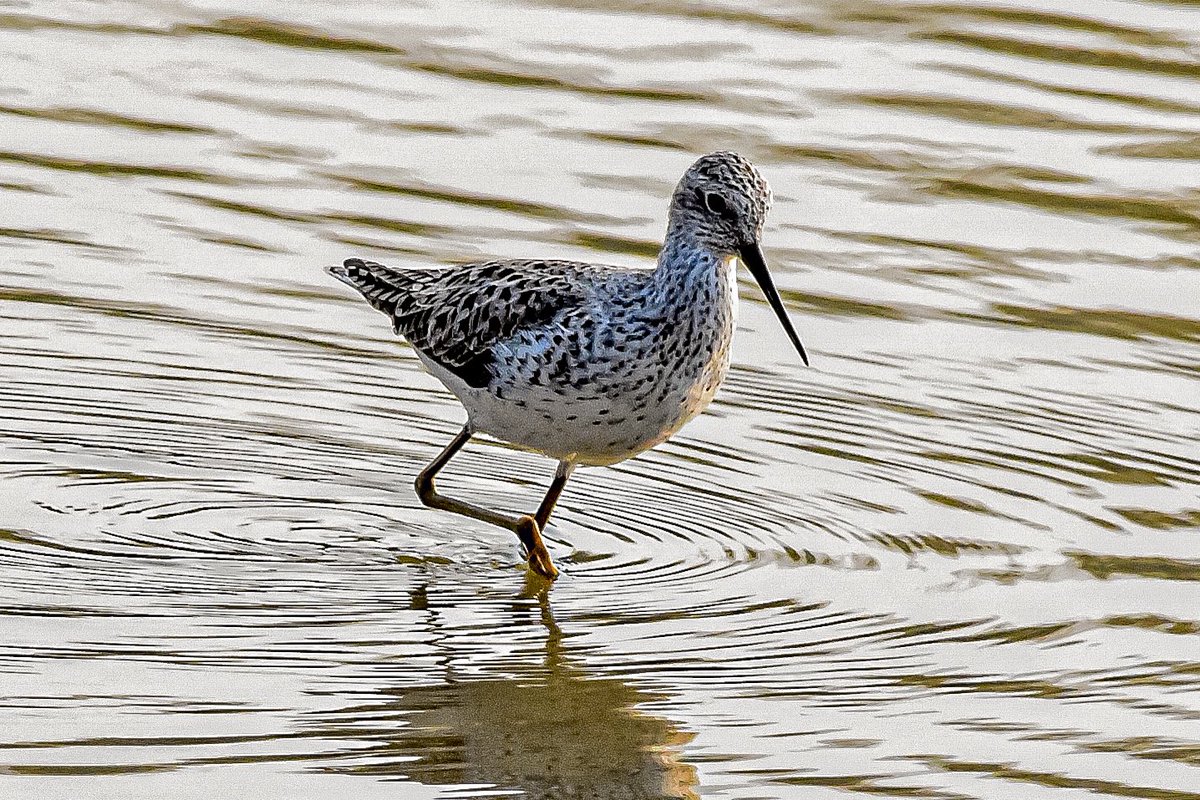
715,203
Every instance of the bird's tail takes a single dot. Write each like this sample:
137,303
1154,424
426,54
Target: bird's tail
383,287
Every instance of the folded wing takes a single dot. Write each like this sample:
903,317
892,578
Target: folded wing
456,316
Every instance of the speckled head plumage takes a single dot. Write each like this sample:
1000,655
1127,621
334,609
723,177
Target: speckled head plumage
721,203
719,208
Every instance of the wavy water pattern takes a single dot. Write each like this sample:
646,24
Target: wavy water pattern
955,559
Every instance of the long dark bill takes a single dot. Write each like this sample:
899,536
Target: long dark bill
752,257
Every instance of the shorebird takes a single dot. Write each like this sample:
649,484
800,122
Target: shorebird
585,363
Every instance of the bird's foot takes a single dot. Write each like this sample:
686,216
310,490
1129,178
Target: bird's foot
539,557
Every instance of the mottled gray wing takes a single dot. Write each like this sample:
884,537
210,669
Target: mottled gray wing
457,315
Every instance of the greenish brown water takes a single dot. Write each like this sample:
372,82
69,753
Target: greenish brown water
957,558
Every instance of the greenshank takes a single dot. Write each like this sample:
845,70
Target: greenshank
584,363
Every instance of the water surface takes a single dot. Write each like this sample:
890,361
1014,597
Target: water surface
957,558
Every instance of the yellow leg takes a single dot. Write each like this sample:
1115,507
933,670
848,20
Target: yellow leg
539,556
528,528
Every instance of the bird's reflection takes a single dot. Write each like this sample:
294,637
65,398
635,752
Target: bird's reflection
548,729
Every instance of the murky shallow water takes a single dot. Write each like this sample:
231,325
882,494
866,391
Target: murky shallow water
958,558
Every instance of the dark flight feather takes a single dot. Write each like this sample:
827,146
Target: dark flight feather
457,315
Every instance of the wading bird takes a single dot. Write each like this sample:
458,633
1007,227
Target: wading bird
584,363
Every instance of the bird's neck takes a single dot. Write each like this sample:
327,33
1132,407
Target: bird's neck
694,288
688,268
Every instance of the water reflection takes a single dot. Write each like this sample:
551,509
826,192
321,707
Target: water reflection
551,730
957,558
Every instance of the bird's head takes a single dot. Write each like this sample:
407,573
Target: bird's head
721,205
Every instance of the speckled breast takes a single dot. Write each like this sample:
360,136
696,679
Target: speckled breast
627,387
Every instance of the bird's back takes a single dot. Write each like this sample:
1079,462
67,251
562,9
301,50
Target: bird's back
456,316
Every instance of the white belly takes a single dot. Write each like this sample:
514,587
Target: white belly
590,426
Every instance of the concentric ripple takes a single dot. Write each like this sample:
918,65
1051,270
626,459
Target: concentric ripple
956,558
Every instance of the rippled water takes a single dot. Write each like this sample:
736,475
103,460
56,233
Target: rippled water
957,558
